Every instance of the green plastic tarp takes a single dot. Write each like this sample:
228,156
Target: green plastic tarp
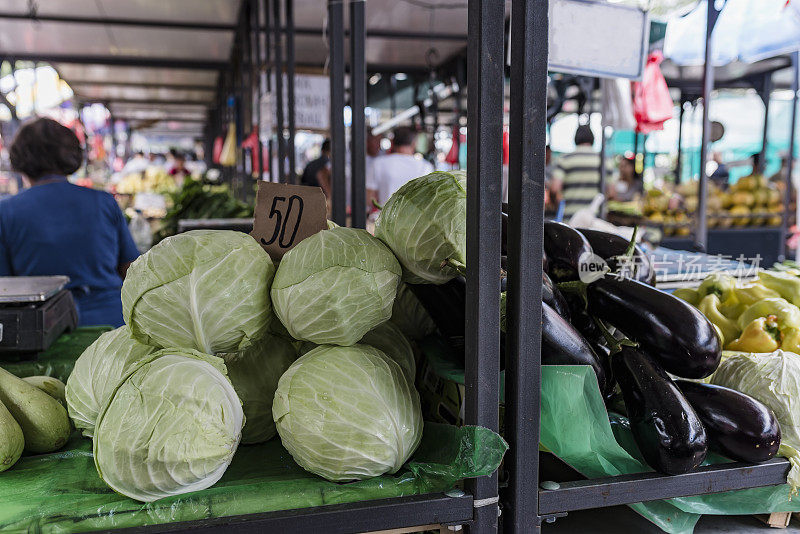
577,428
62,492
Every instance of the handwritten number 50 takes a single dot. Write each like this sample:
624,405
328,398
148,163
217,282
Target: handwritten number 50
282,219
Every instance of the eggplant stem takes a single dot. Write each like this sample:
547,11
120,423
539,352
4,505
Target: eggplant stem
376,205
575,287
615,345
456,265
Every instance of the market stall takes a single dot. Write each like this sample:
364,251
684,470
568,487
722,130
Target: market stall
372,465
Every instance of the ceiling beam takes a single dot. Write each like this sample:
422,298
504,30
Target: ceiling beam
186,120
389,34
167,24
124,61
141,85
151,101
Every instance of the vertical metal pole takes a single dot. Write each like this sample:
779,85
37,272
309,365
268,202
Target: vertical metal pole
485,79
636,153
259,66
336,51
701,229
603,166
290,89
527,139
678,163
276,14
790,164
358,133
269,71
765,94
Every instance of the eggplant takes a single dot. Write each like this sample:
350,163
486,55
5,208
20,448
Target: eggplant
563,345
553,297
671,331
564,246
610,246
446,304
667,430
738,426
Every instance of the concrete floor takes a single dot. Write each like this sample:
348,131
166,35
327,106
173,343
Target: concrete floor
623,520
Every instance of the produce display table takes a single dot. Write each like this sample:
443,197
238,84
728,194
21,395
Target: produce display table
62,492
765,242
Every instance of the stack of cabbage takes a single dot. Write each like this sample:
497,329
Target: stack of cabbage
208,356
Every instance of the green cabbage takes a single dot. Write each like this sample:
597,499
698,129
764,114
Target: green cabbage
206,290
425,224
170,427
97,372
388,339
254,374
335,286
774,380
410,316
347,413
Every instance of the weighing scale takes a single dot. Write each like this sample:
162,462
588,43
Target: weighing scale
34,312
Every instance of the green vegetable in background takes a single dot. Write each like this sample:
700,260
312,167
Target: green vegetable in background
12,441
774,380
96,373
787,285
44,421
425,224
786,314
335,286
710,307
198,201
254,374
388,339
368,430
206,290
171,427
409,315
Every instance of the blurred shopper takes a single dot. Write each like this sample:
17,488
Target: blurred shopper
317,172
57,228
628,186
138,163
373,152
393,170
179,171
576,178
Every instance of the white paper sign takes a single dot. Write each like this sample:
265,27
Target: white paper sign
311,101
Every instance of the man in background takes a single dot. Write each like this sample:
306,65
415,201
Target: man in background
576,178
315,174
391,171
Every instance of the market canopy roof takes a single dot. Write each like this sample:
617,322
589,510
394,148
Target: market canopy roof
160,59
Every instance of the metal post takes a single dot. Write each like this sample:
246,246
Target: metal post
485,79
358,133
290,89
678,163
790,164
764,93
603,165
701,229
527,140
256,18
636,153
276,15
336,51
268,64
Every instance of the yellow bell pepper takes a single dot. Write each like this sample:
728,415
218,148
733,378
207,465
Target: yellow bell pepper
710,307
717,284
786,285
791,340
749,294
787,315
760,335
688,294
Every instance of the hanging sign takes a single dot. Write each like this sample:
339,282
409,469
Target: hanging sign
597,39
311,101
286,214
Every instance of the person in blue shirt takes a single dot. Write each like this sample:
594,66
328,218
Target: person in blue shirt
58,228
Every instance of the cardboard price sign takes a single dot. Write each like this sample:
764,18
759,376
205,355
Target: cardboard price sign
286,214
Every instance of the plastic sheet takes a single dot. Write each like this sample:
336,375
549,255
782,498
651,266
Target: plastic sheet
598,445
62,492
59,359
